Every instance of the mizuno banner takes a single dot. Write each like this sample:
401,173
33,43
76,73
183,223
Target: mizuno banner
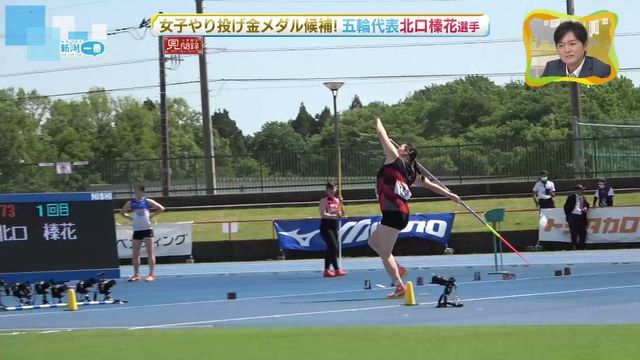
304,234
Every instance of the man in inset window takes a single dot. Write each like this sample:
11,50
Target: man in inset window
572,40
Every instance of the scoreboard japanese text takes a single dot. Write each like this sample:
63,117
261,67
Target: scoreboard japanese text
61,236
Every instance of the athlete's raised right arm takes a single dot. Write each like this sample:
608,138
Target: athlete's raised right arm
390,151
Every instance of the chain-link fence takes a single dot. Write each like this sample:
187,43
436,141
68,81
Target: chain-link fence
288,171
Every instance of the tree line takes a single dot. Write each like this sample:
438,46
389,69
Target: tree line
107,130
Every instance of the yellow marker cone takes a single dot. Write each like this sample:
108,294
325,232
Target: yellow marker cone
72,305
409,295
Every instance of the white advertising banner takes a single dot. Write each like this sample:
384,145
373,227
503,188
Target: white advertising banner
606,225
169,240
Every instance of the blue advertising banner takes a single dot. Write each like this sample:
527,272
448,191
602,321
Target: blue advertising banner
304,234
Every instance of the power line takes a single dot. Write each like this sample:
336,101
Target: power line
610,125
131,30
380,46
332,1
367,77
80,67
300,79
129,88
259,50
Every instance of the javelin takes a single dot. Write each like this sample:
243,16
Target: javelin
424,170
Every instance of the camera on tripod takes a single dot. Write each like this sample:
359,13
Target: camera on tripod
23,292
97,286
57,290
449,285
42,288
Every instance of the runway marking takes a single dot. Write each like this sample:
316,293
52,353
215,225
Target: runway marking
310,313
261,317
550,293
283,296
286,315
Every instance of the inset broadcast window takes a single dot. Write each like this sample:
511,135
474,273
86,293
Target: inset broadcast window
561,47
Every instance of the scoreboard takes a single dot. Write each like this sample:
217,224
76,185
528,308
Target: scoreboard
59,236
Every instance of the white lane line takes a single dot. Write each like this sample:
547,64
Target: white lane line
545,277
275,316
282,296
54,331
552,293
286,315
66,329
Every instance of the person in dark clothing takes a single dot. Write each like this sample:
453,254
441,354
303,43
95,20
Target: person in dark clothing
575,209
604,194
330,211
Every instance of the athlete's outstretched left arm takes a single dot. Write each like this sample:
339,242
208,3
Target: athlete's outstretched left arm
421,180
158,208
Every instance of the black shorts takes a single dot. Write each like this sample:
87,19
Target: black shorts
141,234
546,203
395,219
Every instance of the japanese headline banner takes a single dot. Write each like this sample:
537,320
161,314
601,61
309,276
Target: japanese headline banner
367,25
304,234
169,240
606,225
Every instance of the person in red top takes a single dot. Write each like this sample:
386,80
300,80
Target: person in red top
330,211
395,177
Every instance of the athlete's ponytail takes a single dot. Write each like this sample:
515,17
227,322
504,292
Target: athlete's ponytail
413,154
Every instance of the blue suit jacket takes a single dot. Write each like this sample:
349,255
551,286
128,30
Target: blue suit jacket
591,67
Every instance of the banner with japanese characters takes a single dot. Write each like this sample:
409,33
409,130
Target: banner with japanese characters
361,25
606,225
169,240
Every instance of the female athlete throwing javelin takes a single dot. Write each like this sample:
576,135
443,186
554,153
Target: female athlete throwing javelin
394,178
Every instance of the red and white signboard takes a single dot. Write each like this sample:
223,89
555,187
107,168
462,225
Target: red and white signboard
182,45
606,225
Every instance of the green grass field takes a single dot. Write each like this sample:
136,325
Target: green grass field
618,342
264,230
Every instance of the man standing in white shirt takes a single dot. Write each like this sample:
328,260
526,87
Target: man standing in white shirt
544,191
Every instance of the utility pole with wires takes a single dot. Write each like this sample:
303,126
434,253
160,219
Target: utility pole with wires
577,146
207,143
164,122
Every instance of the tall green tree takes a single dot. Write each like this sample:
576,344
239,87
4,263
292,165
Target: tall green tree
279,147
228,129
304,123
355,103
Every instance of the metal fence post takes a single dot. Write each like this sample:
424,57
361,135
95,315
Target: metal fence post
261,179
595,156
459,163
195,174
